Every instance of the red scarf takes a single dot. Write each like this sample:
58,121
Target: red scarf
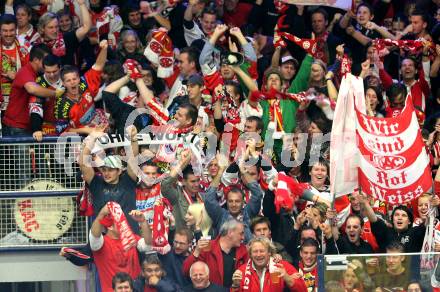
280,6
58,45
321,52
162,213
84,202
272,93
414,47
308,45
345,64
247,284
189,198
117,217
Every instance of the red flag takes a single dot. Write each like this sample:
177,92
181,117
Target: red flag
287,192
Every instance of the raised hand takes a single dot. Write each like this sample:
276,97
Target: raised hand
232,46
132,131
220,29
103,44
236,278
366,65
137,215
235,31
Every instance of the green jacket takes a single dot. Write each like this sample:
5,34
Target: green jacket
289,107
174,193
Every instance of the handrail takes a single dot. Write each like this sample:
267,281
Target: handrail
30,139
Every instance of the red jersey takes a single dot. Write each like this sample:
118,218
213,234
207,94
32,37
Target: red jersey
112,258
81,113
145,199
17,113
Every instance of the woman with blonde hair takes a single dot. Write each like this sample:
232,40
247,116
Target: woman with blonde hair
198,219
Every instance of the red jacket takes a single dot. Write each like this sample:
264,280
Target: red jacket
254,286
420,90
214,260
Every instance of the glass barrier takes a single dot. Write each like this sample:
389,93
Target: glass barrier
393,272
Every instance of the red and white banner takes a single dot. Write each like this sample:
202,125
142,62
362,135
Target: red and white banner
394,165
343,4
344,158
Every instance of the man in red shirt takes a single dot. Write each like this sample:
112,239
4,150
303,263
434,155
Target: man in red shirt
225,255
109,253
16,119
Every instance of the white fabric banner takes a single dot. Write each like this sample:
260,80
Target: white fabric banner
344,158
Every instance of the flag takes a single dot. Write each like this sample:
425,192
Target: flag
344,159
394,166
287,192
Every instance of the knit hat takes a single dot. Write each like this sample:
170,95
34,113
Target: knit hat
113,161
159,51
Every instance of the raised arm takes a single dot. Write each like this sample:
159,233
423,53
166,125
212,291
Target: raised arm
247,80
84,29
132,169
275,63
357,35
206,60
331,88
380,29
116,85
248,50
213,209
85,157
366,207
435,67
97,228
102,56
139,217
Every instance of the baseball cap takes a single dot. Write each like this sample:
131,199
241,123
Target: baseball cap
112,161
232,58
196,79
289,58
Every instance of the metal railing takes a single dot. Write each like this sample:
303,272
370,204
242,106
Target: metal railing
39,182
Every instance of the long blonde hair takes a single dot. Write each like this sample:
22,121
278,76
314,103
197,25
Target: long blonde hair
198,210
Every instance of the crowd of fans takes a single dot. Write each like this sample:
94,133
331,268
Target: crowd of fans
225,67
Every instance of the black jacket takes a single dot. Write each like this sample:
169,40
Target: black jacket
412,238
344,246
